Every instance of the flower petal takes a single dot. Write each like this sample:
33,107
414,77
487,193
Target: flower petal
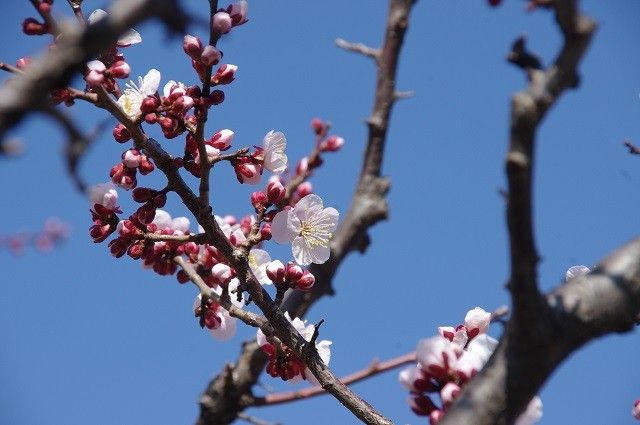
150,83
95,16
227,328
281,231
308,206
128,38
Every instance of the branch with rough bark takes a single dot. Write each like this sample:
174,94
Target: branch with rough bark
544,330
223,397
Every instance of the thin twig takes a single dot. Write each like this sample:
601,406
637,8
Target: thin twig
375,368
361,48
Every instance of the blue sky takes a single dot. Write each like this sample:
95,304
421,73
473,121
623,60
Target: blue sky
91,339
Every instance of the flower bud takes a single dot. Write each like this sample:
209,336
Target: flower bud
30,26
222,273
238,12
131,158
258,200
276,271
120,69
225,74
275,191
302,167
146,166
265,232
192,46
216,97
304,189
182,277
421,404
331,144
448,393
23,62
121,134
294,272
143,194
160,200
222,22
149,104
222,139
317,126
305,282
210,55
119,246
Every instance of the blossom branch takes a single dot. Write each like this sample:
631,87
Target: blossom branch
21,95
368,207
375,368
542,332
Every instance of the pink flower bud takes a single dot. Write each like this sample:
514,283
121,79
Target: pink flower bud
44,7
225,74
302,167
182,104
317,125
32,27
120,69
192,46
275,191
119,246
304,189
636,409
143,194
435,417
222,273
258,200
306,281
132,158
94,78
421,404
331,144
265,232
146,213
160,200
121,134
222,139
476,321
294,272
238,12
216,97
276,271
182,277
149,104
146,166
210,55
248,172
222,22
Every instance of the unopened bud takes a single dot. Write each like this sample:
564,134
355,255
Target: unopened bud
306,281
276,271
225,74
121,134
210,55
258,200
331,144
275,191
222,139
192,46
222,22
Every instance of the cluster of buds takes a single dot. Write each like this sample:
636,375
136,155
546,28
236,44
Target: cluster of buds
448,361
291,276
284,362
98,74
104,201
124,173
234,15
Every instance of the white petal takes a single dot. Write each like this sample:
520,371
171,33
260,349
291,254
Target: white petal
227,327
308,206
181,224
328,218
96,65
261,338
301,252
258,261
576,271
128,38
162,219
150,82
280,230
324,350
319,254
166,91
96,15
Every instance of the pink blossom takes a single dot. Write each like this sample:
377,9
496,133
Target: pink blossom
476,321
436,355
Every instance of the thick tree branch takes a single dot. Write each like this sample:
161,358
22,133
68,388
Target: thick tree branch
368,207
543,331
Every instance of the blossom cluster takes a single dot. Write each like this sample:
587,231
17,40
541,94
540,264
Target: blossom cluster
285,209
446,363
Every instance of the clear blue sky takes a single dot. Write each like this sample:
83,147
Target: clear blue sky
90,339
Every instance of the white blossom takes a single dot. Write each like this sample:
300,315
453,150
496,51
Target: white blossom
309,227
164,221
134,94
259,259
104,194
274,144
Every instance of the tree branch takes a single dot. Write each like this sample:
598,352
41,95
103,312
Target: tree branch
220,404
375,368
543,331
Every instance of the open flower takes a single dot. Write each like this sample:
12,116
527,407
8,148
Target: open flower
105,195
309,227
274,144
259,259
127,39
134,94
221,324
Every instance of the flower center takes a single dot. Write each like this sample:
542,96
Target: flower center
315,234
